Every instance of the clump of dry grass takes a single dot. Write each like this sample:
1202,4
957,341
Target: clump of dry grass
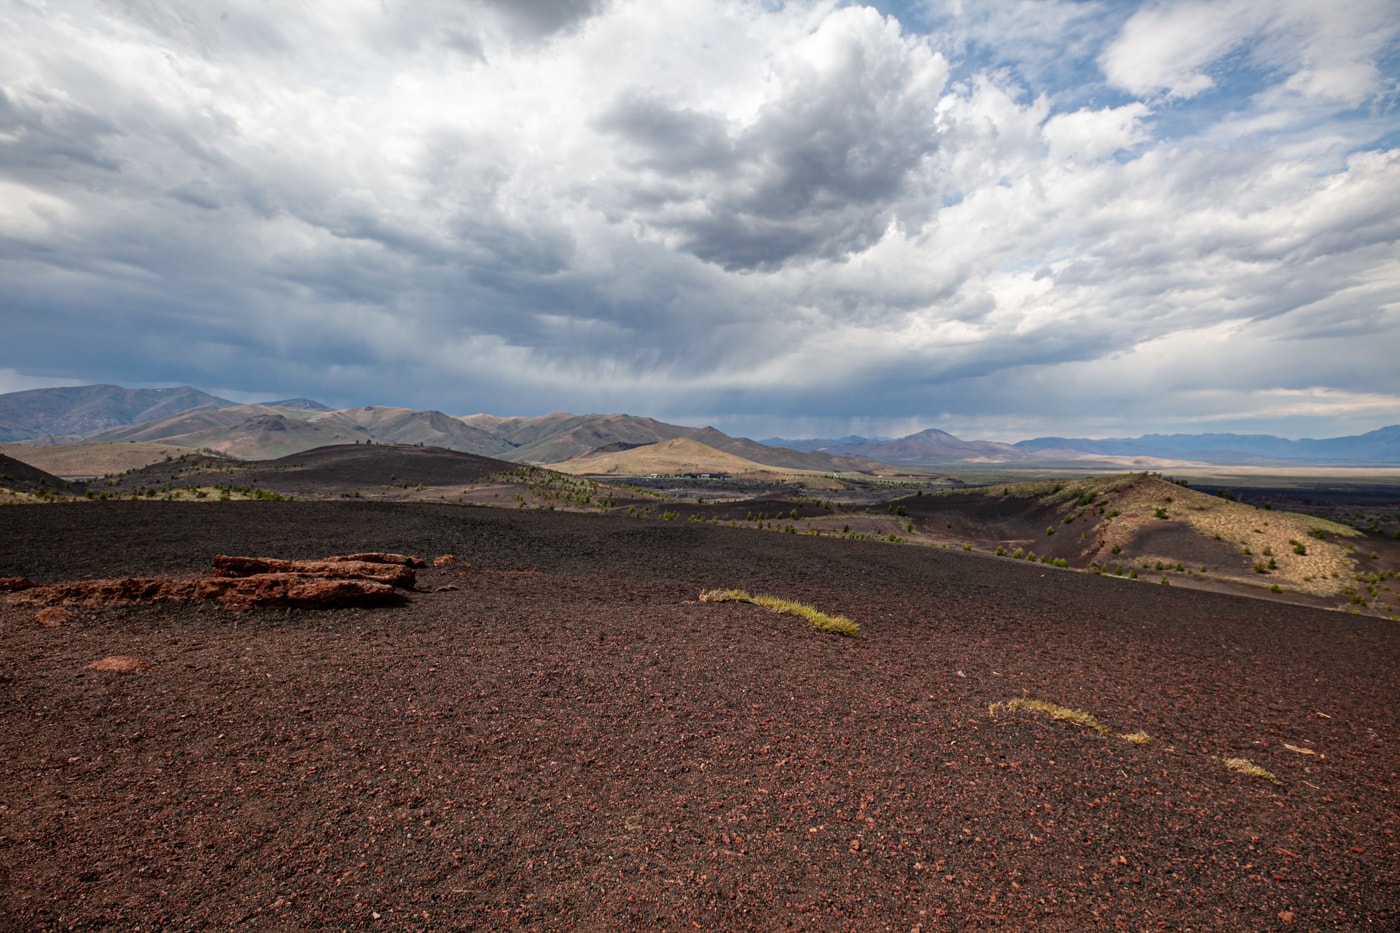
839,625
1137,738
1054,711
1250,769
726,596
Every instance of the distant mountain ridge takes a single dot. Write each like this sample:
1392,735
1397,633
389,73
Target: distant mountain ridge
186,417
81,410
266,432
931,446
1374,447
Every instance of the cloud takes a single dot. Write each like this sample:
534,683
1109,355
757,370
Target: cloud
994,214
847,119
546,17
1185,48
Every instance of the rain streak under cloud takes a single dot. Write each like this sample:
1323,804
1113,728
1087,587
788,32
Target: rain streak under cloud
805,218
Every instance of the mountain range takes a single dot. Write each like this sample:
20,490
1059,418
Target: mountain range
933,447
186,417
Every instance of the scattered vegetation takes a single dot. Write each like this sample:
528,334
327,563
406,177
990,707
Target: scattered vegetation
1250,769
1053,710
550,488
839,625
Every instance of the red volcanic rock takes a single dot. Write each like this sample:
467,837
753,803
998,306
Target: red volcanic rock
297,591
394,574
378,557
238,583
15,584
450,560
121,665
54,616
107,592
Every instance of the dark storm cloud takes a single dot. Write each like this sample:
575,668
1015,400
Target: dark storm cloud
539,18
820,170
674,140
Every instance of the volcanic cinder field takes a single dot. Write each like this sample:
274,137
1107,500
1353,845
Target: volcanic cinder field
554,732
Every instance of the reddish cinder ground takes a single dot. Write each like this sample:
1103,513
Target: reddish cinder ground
569,740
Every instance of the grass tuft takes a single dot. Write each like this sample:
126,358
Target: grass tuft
1250,769
726,596
1054,711
1137,738
839,625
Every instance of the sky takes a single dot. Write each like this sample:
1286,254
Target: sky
1001,218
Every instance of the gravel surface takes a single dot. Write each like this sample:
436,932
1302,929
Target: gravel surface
561,737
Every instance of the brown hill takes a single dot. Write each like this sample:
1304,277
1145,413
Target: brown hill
521,431
22,477
1142,524
680,455
782,457
555,438
261,432
387,425
191,429
326,472
86,461
248,432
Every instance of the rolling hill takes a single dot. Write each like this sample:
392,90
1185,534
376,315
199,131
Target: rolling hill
262,432
678,455
558,437
23,477
387,425
783,457
86,461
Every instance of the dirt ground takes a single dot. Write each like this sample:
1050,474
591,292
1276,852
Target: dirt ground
562,737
